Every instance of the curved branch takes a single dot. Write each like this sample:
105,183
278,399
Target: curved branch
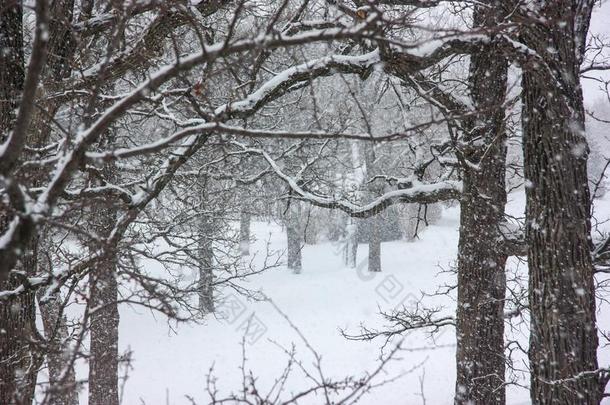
416,193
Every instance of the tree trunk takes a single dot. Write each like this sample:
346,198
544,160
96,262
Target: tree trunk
104,352
19,361
104,326
12,74
205,251
374,263
294,235
563,334
62,380
206,267
351,228
351,243
481,278
244,233
375,222
481,292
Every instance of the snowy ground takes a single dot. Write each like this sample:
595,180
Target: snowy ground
169,364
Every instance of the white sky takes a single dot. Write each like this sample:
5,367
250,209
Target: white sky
600,24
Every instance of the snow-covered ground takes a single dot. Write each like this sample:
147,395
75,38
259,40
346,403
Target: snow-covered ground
170,364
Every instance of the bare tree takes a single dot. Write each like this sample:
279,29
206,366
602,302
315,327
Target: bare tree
180,110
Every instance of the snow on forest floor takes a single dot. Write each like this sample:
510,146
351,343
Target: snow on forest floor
170,364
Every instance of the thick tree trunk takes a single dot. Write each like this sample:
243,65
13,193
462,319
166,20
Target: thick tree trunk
481,291
294,235
104,351
481,278
563,333
104,326
19,361
12,75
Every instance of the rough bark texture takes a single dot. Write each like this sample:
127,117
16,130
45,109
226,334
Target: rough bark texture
481,278
12,74
207,231
206,267
19,357
563,334
60,55
61,43
375,245
104,326
481,292
18,361
103,362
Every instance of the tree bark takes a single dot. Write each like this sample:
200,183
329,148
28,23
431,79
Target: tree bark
104,351
206,230
244,233
375,245
563,340
19,361
481,276
481,292
12,74
206,267
563,334
294,235
103,304
20,357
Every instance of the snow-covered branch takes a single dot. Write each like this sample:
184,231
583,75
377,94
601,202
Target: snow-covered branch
417,192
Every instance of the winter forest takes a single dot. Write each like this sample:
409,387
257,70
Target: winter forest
304,202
